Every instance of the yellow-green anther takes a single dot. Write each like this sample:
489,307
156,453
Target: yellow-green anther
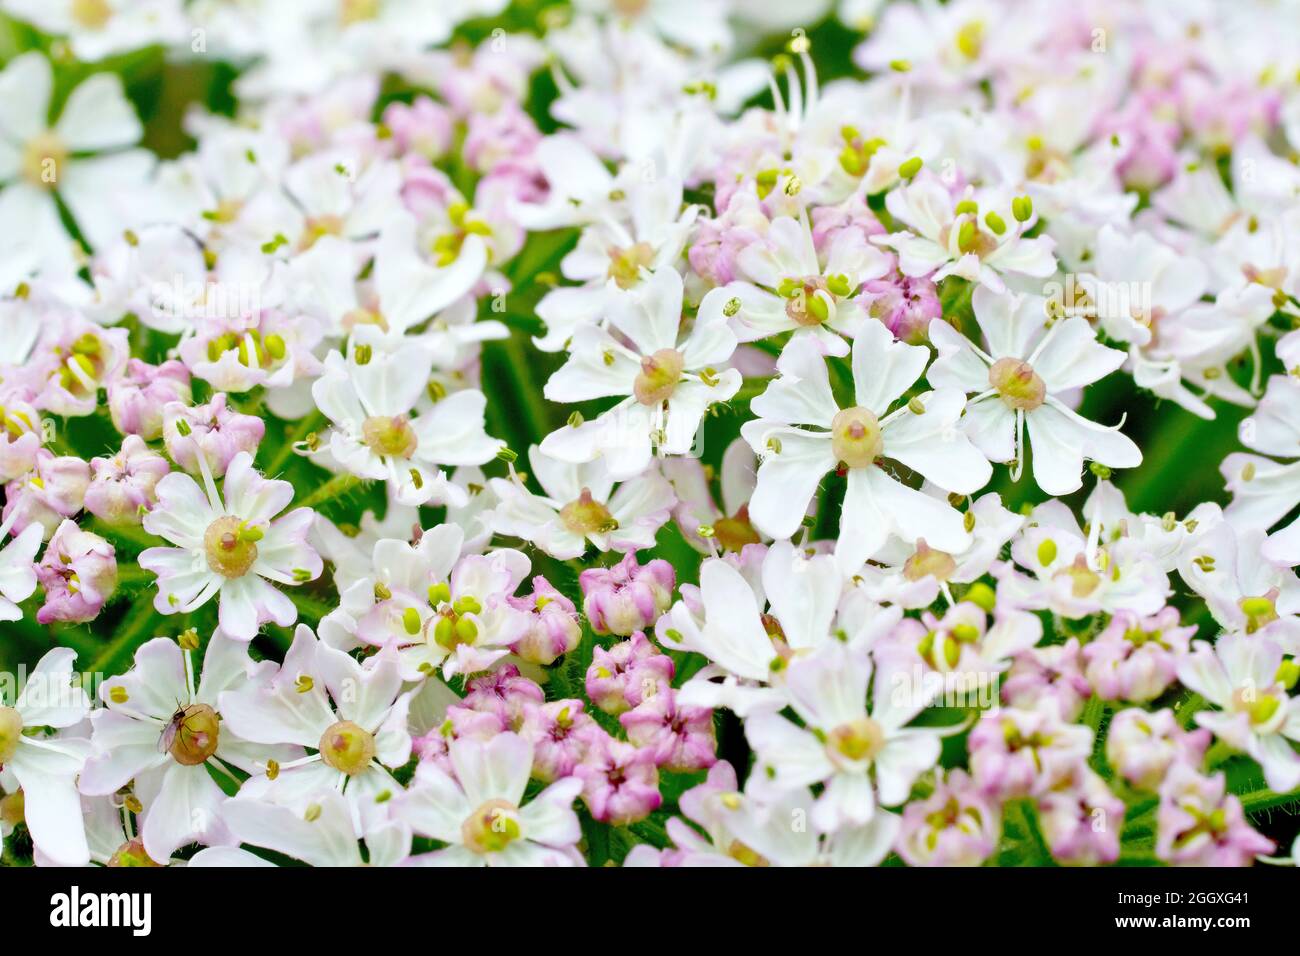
966,633
444,633
1047,552
995,223
250,532
910,167
466,630
411,621
362,354
274,346
1288,673
981,595
818,308
439,593
183,427
1022,207
967,207
788,288
731,307
966,236
467,605
838,284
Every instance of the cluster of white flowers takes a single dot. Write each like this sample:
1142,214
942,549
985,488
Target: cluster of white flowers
422,462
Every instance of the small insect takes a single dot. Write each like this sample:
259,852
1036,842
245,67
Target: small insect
174,725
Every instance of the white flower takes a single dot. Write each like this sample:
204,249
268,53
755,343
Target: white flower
750,628
480,812
1018,381
99,28
352,714
1246,592
789,290
802,434
82,157
615,255
949,238
230,544
1265,491
159,733
1239,675
46,767
670,380
369,396
863,757
581,505
407,290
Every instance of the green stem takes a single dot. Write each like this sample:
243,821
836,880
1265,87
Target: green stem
286,450
336,487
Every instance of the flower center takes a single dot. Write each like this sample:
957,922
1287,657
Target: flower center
392,437
1259,611
357,11
735,532
43,158
855,437
231,546
809,301
587,516
1018,384
927,562
347,748
858,740
132,853
1083,579
1261,707
91,14
11,732
659,376
492,827
13,808
625,265
198,729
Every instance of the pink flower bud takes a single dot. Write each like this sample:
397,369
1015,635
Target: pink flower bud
1143,746
504,692
20,438
1081,821
1048,674
627,597
553,627
905,304
1136,658
136,400
561,733
626,674
1200,824
423,127
954,826
122,488
55,489
680,738
78,572
1015,753
219,432
620,782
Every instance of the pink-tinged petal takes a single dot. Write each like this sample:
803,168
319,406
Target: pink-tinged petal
251,497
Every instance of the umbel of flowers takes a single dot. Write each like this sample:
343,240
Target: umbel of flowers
443,444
